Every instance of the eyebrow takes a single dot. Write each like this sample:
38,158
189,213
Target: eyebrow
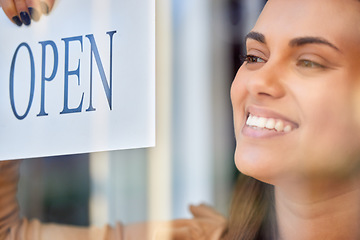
255,36
296,42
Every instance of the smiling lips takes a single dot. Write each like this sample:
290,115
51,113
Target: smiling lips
265,123
268,123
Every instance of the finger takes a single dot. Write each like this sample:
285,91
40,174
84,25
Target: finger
47,6
183,233
204,211
34,9
22,11
10,11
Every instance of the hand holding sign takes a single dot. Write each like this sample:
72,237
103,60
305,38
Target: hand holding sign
78,84
22,11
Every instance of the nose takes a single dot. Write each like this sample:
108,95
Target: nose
266,82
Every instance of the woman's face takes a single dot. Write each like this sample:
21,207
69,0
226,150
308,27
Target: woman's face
296,98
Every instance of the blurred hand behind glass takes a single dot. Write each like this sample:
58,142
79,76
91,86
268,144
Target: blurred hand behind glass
23,11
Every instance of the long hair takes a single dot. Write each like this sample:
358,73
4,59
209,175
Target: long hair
251,214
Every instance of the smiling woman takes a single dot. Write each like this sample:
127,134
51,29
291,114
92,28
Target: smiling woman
306,81
296,116
296,106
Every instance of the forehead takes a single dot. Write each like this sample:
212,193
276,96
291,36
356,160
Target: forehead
336,20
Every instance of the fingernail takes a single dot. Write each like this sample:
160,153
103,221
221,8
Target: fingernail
25,18
17,21
34,14
44,7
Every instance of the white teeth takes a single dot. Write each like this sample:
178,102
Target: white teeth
279,126
248,120
262,122
287,128
255,120
269,123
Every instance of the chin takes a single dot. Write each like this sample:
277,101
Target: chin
259,168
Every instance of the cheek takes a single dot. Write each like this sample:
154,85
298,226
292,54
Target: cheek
329,138
238,96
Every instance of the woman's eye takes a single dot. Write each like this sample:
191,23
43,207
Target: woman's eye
309,64
253,59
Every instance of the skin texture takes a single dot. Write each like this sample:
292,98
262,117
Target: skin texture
19,8
304,67
322,101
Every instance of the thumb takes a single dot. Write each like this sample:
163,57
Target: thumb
205,211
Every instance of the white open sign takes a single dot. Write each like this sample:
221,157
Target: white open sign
80,80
